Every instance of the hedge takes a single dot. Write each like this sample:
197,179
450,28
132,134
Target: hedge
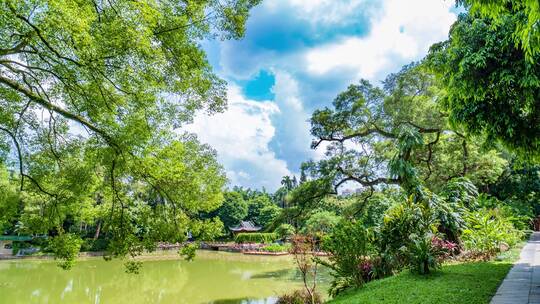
255,237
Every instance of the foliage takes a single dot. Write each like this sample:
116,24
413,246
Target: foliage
10,203
132,266
284,231
491,88
349,246
277,248
488,230
520,215
255,238
321,223
268,215
66,248
255,207
408,231
299,297
519,190
525,12
188,251
90,95
304,198
426,252
369,208
233,210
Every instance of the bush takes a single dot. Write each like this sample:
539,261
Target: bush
277,248
427,252
255,238
300,297
409,229
487,230
349,247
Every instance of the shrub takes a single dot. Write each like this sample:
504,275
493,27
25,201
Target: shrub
427,252
408,231
321,223
255,238
277,248
349,247
299,297
284,231
487,230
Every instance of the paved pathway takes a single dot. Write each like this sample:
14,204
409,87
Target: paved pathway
522,284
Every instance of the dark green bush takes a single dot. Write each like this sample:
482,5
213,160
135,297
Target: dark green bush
255,238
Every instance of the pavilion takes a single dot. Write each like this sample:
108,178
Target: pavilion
245,227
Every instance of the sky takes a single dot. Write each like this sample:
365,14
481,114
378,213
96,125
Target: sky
297,55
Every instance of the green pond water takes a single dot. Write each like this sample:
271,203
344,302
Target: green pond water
214,277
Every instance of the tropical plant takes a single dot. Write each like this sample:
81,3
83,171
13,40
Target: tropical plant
487,231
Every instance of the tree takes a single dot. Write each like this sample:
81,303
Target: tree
10,202
233,210
268,215
491,87
255,206
93,90
525,12
321,223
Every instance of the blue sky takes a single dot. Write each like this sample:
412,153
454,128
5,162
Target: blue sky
297,55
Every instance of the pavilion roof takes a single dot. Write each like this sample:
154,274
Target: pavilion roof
245,226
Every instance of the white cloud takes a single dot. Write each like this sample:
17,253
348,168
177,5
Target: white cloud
320,11
405,31
241,136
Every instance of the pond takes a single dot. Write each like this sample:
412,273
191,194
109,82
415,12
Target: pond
214,277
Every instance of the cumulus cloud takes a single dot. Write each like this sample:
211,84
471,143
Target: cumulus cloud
405,31
330,12
241,136
292,138
314,49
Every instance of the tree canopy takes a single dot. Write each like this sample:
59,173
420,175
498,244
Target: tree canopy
491,88
91,93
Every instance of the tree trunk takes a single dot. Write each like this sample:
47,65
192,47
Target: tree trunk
98,230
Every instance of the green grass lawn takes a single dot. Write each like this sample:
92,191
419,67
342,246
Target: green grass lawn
471,283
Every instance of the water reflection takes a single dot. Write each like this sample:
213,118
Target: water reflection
214,277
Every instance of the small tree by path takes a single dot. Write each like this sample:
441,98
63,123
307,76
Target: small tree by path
304,251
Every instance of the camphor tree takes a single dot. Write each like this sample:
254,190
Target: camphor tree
90,92
392,136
